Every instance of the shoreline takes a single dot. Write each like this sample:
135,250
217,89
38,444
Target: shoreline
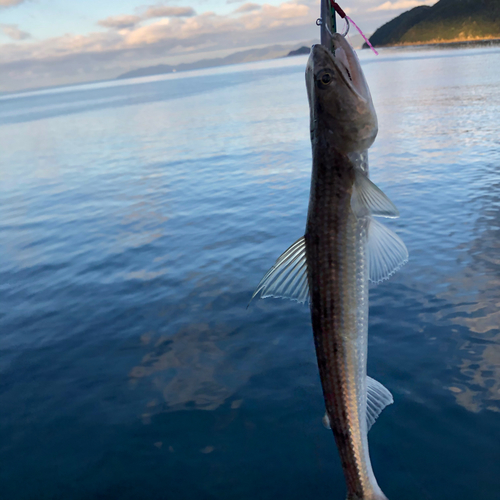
441,43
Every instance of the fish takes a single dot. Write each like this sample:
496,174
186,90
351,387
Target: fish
344,248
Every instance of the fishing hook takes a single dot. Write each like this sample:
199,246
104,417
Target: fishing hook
319,22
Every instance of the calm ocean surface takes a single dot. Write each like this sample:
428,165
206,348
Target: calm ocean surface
136,219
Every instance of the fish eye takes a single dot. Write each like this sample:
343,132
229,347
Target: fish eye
326,78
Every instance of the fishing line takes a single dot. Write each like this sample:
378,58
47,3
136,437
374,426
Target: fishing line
338,9
343,15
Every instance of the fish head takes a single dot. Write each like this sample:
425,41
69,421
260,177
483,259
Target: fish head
339,98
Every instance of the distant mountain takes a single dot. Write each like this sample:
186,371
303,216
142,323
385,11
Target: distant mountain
446,21
392,32
302,51
250,55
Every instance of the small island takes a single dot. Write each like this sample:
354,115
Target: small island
302,51
447,21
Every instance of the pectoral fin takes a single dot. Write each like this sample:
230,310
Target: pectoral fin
368,199
377,398
287,279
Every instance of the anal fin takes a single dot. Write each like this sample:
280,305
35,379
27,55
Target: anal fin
385,251
377,398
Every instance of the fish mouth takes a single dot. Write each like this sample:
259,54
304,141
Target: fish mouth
345,60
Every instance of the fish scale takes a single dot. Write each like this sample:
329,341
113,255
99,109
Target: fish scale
335,252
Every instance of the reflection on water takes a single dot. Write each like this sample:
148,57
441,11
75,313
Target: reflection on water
189,369
136,220
480,279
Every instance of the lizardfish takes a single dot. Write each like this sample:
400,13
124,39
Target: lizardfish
343,248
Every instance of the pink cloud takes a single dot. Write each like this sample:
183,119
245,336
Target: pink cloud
10,3
166,11
124,21
247,7
12,31
129,44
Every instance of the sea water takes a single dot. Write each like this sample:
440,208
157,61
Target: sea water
136,219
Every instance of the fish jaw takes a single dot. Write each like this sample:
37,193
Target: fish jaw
339,99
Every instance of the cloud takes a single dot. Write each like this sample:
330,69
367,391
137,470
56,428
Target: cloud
119,22
402,4
166,11
12,31
106,54
287,10
10,3
247,7
153,11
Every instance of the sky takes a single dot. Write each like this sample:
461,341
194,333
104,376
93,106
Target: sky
58,42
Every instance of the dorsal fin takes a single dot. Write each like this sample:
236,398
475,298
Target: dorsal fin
287,279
